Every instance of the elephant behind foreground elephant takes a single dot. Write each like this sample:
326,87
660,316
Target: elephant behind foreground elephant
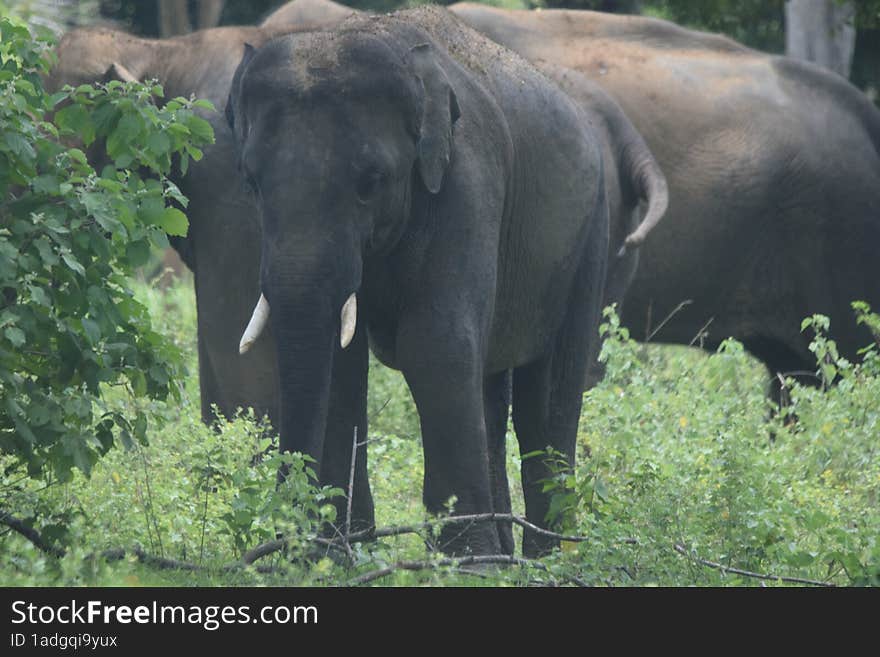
222,246
426,189
773,168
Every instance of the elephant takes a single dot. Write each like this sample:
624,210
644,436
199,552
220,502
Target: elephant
222,245
773,168
431,196
635,185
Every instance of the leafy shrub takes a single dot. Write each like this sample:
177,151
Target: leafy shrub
70,238
696,461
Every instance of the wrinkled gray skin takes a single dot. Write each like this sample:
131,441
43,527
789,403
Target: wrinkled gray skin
221,247
773,171
460,194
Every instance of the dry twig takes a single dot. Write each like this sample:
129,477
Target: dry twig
745,573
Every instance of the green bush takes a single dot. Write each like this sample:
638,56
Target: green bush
700,461
70,237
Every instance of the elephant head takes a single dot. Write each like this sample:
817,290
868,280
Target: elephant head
333,132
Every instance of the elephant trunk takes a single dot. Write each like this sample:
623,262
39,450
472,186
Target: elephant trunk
305,336
310,301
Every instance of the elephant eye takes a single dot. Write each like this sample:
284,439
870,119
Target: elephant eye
368,184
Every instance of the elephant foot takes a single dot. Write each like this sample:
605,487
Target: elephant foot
536,546
467,538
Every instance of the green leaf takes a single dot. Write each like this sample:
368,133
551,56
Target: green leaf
46,184
73,263
200,129
204,104
138,382
46,250
15,335
159,143
174,222
77,155
126,134
39,296
92,330
151,210
138,253
19,145
76,119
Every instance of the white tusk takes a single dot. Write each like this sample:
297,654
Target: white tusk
255,326
349,319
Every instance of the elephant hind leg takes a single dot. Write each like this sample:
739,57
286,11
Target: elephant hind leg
547,393
781,361
496,403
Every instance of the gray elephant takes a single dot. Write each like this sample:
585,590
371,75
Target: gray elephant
222,246
774,175
427,190
635,185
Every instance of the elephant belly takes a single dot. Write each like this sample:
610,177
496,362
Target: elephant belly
535,286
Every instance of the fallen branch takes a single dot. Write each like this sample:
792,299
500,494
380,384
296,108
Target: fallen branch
457,564
31,534
118,554
263,550
745,573
114,554
477,517
270,547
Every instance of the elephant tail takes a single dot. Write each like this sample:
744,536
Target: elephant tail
637,168
645,178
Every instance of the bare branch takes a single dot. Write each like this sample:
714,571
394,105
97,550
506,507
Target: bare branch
745,573
674,312
263,550
479,517
270,547
347,536
702,334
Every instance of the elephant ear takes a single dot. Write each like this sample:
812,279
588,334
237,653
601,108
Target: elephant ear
235,87
119,72
439,114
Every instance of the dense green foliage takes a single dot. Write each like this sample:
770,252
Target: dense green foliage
69,238
675,448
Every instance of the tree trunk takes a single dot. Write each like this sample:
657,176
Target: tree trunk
173,18
821,31
209,13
